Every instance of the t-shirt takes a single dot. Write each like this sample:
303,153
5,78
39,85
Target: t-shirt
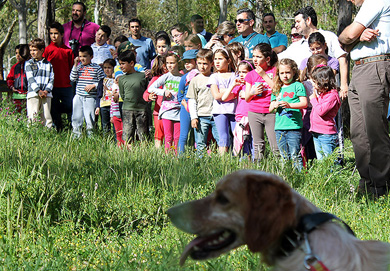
332,62
101,53
374,14
146,52
242,105
87,35
288,118
85,75
278,39
170,107
61,58
221,107
260,104
131,88
199,90
258,38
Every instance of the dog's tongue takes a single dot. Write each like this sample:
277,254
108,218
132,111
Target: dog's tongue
188,249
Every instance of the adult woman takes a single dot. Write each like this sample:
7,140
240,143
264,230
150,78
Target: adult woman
225,33
179,33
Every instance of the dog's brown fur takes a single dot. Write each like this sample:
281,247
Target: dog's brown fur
258,208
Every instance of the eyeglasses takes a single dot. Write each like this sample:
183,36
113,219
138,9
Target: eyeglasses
296,35
241,21
177,35
230,35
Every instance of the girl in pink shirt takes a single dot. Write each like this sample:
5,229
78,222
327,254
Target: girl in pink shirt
258,95
242,137
325,103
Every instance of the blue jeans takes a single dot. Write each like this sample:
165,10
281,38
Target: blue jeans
83,109
105,119
225,124
324,144
289,146
185,126
201,133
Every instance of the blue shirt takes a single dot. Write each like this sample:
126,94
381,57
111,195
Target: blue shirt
278,39
101,53
259,38
146,52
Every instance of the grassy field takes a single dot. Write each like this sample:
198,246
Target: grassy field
88,205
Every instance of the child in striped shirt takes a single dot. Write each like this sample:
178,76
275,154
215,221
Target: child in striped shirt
40,77
87,76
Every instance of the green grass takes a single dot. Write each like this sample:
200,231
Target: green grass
86,205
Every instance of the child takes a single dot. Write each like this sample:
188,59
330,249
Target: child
87,76
40,77
308,150
170,107
192,42
288,97
102,50
237,50
223,112
104,95
258,95
325,102
200,100
163,43
132,85
318,46
115,113
16,79
61,58
159,68
242,138
189,59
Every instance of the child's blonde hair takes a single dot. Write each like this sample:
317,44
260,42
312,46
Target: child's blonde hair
228,56
237,49
312,62
277,82
194,39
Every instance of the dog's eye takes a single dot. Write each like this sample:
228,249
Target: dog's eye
222,199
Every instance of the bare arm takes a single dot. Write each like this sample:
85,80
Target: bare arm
350,36
343,76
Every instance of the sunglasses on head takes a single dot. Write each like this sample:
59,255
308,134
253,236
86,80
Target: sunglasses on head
242,20
296,35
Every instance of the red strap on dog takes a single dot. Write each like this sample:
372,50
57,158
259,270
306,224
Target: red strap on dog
318,266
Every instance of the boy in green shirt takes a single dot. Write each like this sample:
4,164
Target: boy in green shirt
132,85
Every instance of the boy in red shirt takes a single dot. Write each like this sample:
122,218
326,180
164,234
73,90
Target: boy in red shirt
61,58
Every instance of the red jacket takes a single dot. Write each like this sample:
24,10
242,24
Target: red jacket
17,78
61,58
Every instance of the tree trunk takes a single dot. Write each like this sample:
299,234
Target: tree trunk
259,12
43,7
96,11
223,5
22,15
3,46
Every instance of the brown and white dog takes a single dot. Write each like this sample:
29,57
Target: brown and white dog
262,211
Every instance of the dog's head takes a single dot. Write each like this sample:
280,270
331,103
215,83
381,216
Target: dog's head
247,207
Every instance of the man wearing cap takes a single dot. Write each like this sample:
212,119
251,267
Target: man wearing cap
145,48
245,21
368,95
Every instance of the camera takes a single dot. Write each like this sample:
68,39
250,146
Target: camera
219,37
74,45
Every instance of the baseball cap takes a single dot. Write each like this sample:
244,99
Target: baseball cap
126,46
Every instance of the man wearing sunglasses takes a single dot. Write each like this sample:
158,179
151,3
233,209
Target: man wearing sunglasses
245,21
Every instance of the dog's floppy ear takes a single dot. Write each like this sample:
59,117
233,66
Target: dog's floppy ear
271,211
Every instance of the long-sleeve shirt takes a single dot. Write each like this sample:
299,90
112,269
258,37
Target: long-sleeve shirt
85,75
40,76
323,113
61,58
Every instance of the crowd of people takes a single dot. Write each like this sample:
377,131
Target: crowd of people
223,89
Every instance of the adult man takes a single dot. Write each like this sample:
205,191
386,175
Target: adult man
79,32
245,20
368,94
278,41
306,23
197,25
146,51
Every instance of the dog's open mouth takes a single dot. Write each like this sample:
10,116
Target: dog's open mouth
201,247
